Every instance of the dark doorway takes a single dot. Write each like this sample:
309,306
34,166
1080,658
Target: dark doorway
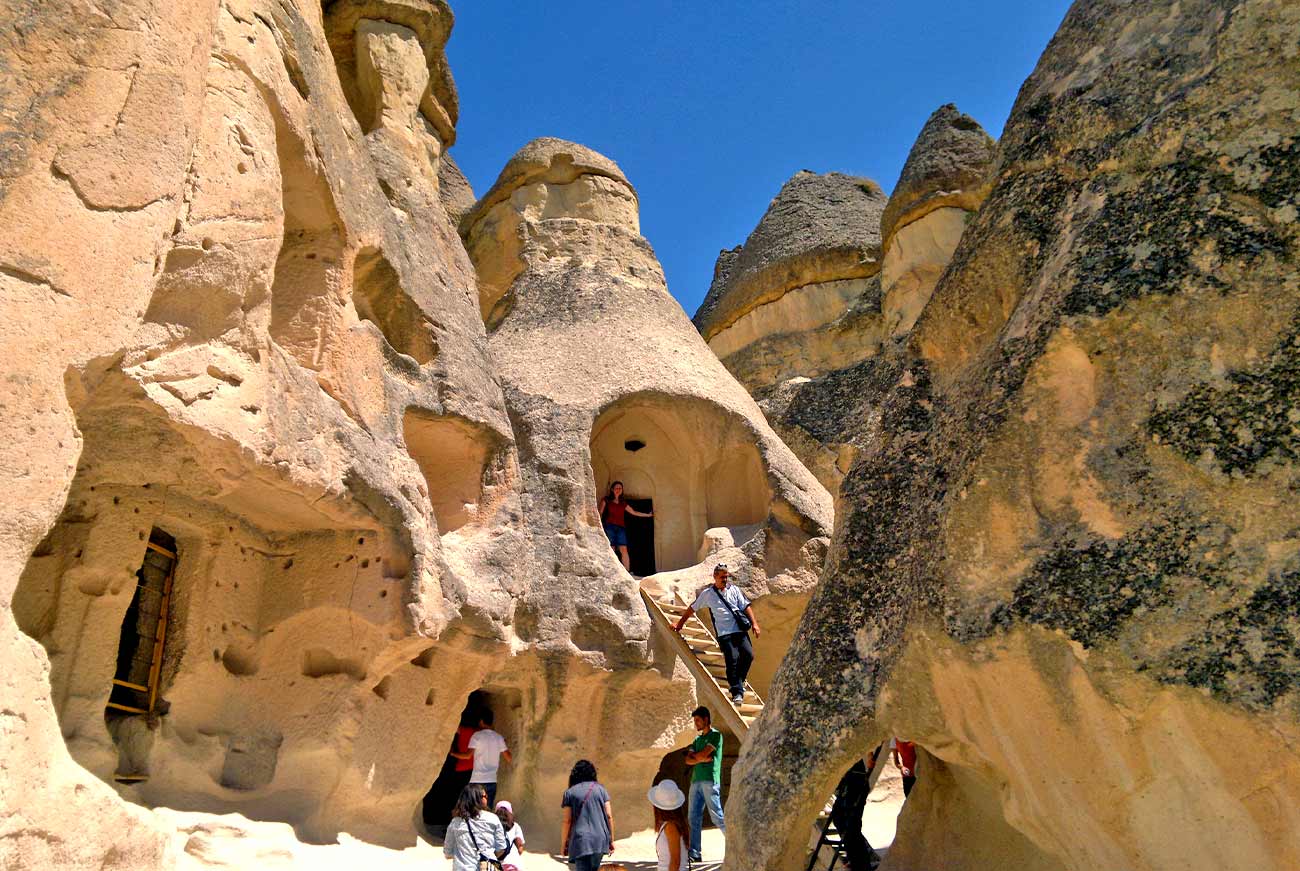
144,630
505,705
641,538
441,797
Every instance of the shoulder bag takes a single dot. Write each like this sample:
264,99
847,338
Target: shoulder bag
484,863
742,621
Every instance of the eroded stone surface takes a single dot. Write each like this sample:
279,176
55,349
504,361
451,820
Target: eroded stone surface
256,338
606,380
793,312
1064,557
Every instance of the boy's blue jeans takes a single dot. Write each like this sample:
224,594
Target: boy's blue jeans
704,793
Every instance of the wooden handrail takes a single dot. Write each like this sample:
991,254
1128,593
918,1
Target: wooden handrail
705,682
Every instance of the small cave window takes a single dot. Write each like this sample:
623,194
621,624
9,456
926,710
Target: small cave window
633,445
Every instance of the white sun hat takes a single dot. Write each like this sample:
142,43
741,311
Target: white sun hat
666,795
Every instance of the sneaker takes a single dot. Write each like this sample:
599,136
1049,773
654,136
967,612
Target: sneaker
696,858
737,698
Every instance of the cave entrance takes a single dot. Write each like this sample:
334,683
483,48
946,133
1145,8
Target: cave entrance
696,461
134,688
641,538
502,706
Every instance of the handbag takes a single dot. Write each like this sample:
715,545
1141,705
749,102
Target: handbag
742,621
484,863
574,818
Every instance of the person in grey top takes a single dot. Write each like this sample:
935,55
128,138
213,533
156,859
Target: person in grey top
474,833
588,828
725,602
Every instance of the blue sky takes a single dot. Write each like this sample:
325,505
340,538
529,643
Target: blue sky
709,106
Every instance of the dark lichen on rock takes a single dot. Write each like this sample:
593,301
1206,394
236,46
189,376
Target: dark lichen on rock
1091,589
1166,233
1252,420
1250,654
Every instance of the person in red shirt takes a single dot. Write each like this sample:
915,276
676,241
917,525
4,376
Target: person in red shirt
613,510
464,766
904,753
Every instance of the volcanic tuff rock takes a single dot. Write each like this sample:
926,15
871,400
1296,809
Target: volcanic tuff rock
946,168
816,226
255,344
602,371
793,353
253,338
801,296
943,182
1067,559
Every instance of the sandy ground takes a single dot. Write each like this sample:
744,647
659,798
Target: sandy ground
231,841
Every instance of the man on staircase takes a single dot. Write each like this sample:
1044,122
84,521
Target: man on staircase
733,617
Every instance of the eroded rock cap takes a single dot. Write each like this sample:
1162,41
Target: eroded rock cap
947,166
818,228
545,159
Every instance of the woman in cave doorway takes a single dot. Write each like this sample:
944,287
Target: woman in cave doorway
613,510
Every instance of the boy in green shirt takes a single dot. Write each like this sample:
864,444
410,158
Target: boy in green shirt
705,759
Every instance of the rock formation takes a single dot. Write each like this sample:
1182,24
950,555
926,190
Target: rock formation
271,518
603,372
815,292
791,300
254,339
944,180
1065,561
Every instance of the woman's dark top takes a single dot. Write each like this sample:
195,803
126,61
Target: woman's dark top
589,828
615,513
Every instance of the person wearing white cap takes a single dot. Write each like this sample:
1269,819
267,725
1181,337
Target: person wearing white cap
670,825
511,861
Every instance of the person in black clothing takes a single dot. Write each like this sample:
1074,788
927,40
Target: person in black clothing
846,813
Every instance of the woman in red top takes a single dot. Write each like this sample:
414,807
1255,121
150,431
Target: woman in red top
904,753
613,509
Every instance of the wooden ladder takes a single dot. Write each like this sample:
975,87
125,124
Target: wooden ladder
698,648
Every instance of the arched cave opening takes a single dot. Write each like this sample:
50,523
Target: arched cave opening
693,462
864,816
506,707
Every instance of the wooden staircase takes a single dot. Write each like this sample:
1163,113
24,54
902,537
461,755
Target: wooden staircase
698,648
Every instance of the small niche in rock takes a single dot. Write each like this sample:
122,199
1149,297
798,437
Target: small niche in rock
454,455
379,297
425,659
238,662
319,662
250,760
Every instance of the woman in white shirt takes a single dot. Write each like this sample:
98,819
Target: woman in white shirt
514,837
670,825
475,832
